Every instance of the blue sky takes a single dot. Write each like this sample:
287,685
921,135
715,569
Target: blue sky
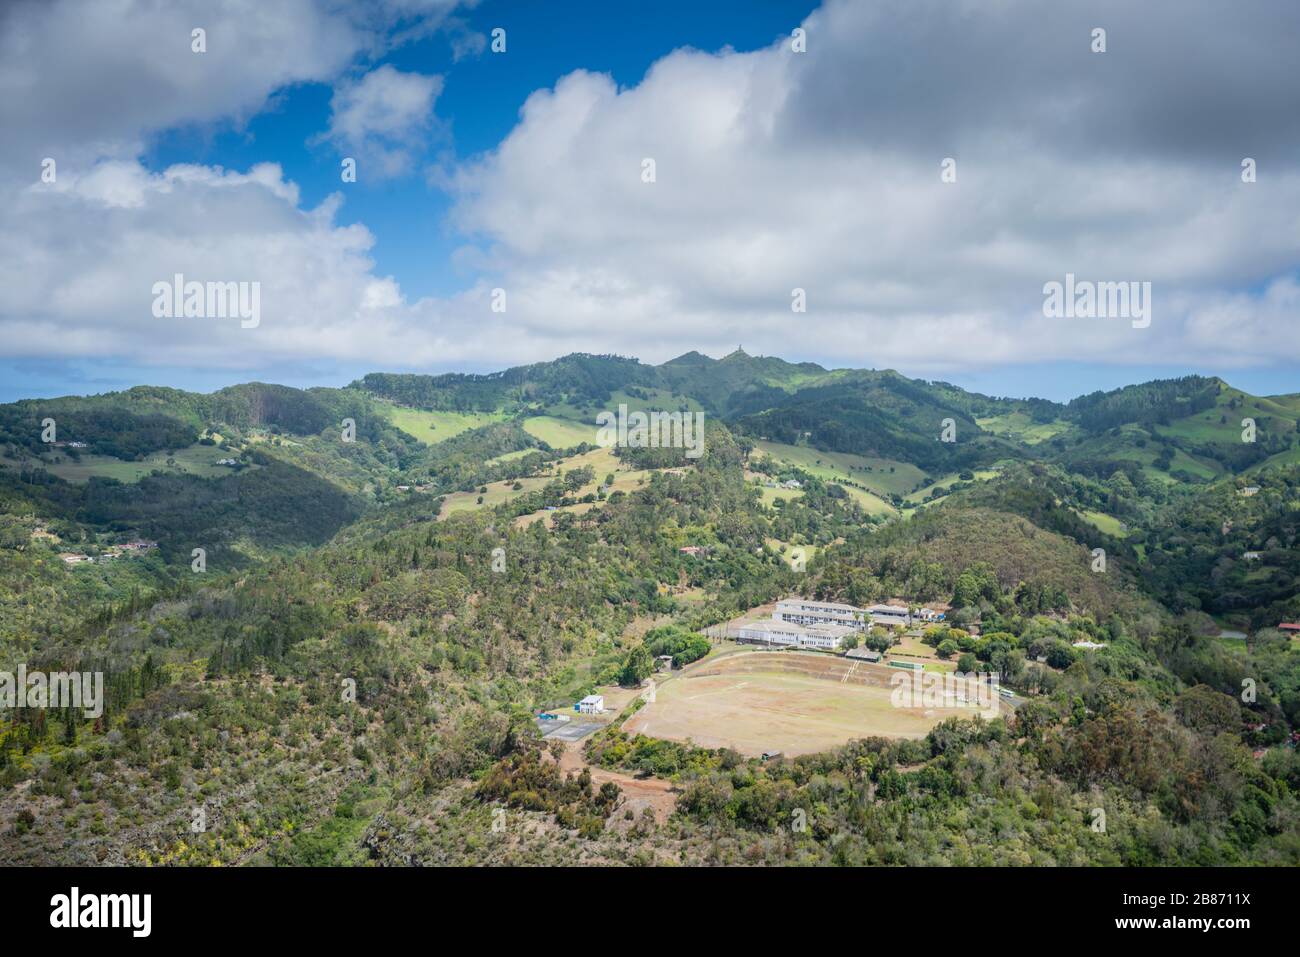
477,108
814,168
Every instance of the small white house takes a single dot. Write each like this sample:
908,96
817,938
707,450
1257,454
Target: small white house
592,704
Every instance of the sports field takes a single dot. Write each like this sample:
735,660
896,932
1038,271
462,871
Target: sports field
791,702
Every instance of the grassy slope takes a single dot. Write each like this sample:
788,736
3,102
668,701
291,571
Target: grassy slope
430,427
1022,428
197,460
918,497
560,433
841,466
1106,523
1222,424
1124,448
602,461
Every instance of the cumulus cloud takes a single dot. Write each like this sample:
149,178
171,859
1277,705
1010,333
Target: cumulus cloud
80,81
384,117
821,171
134,229
775,170
88,85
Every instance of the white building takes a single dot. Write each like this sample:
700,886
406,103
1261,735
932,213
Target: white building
788,634
889,615
592,704
804,611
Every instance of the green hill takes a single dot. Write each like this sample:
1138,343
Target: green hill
466,559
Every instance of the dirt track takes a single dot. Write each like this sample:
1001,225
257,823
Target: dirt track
639,793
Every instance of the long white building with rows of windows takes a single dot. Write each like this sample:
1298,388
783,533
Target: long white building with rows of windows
788,634
804,611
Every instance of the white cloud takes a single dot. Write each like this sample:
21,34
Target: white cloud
79,81
89,85
465,42
775,170
384,117
778,170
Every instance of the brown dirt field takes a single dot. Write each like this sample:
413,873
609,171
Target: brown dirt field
792,702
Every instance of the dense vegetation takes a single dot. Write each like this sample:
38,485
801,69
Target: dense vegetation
354,677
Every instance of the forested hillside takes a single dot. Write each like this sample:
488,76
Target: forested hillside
354,674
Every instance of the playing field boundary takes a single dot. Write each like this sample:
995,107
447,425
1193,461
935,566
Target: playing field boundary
807,664
791,702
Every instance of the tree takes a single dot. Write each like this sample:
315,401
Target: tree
880,642
638,667
1203,709
1060,655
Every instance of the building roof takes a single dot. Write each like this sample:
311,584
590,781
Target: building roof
592,699
824,605
776,627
